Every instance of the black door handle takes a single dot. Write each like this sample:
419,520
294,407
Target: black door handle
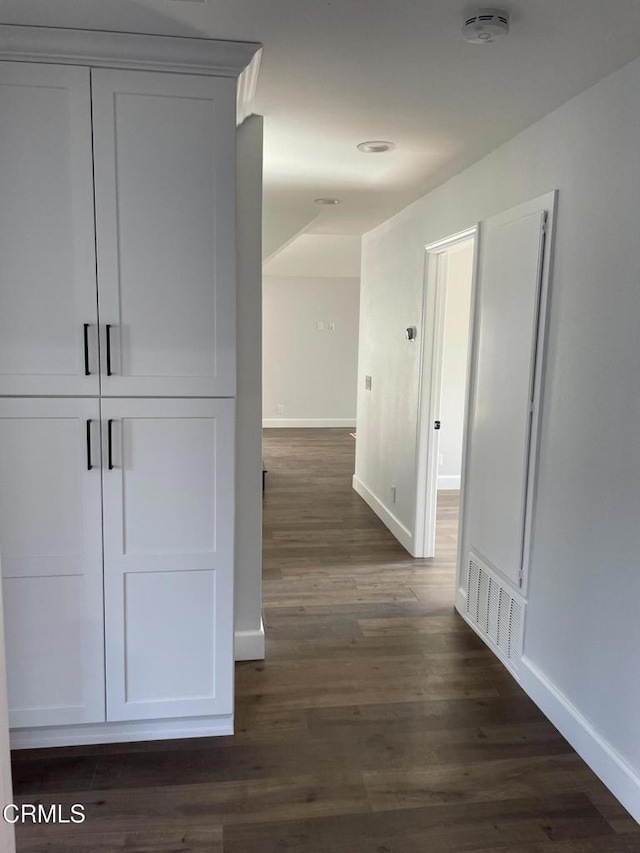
436,425
89,465
110,444
108,328
85,333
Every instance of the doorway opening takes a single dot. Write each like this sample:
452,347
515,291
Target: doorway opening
447,322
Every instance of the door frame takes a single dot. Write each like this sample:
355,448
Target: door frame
430,382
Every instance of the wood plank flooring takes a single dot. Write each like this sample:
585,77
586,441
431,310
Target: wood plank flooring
378,724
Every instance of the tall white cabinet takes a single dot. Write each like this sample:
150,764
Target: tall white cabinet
117,383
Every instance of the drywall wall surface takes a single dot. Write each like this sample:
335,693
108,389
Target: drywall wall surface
248,577
454,365
310,372
582,629
317,256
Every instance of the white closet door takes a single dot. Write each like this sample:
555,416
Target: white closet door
48,300
165,210
51,540
499,451
168,531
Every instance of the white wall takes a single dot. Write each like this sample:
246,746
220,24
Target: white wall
249,643
317,256
310,372
454,367
582,632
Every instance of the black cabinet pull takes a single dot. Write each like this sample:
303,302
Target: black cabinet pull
89,465
87,372
110,444
108,328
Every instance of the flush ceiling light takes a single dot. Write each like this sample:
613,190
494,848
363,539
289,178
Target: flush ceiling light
376,146
486,26
326,202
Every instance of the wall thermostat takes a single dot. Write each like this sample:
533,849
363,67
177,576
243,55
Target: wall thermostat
411,333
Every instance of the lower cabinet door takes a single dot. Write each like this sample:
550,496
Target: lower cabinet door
51,541
168,494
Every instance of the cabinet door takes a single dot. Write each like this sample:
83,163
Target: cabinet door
168,550
48,300
51,540
165,210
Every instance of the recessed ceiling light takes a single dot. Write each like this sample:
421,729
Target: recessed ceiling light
376,146
326,201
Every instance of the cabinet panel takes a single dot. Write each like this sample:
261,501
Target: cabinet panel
168,529
51,535
511,254
47,245
165,210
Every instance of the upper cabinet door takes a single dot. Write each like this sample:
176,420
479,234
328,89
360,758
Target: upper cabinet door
48,301
164,156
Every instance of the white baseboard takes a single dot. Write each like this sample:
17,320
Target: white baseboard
309,423
402,533
448,482
136,730
250,645
601,757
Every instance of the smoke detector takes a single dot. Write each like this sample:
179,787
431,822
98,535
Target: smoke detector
486,26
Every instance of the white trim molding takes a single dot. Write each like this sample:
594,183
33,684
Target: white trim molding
20,43
309,423
246,89
250,644
7,834
402,533
127,732
598,753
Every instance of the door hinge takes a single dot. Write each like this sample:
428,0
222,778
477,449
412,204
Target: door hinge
520,578
545,222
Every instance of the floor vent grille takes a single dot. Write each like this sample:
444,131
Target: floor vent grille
495,611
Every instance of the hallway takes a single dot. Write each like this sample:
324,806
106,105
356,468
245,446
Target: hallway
379,723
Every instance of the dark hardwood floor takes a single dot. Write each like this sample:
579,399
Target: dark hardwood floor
378,724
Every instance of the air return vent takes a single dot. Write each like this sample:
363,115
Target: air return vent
495,611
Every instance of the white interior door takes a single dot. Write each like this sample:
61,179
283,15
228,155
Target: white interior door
506,341
168,531
165,212
51,540
48,300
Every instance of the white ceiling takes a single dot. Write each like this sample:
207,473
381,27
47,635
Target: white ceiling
337,72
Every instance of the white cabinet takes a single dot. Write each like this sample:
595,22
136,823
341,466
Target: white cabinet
168,532
51,540
164,148
48,307
117,378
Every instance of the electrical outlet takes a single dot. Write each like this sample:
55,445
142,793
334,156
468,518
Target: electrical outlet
280,409
393,494
319,325
332,326
367,383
